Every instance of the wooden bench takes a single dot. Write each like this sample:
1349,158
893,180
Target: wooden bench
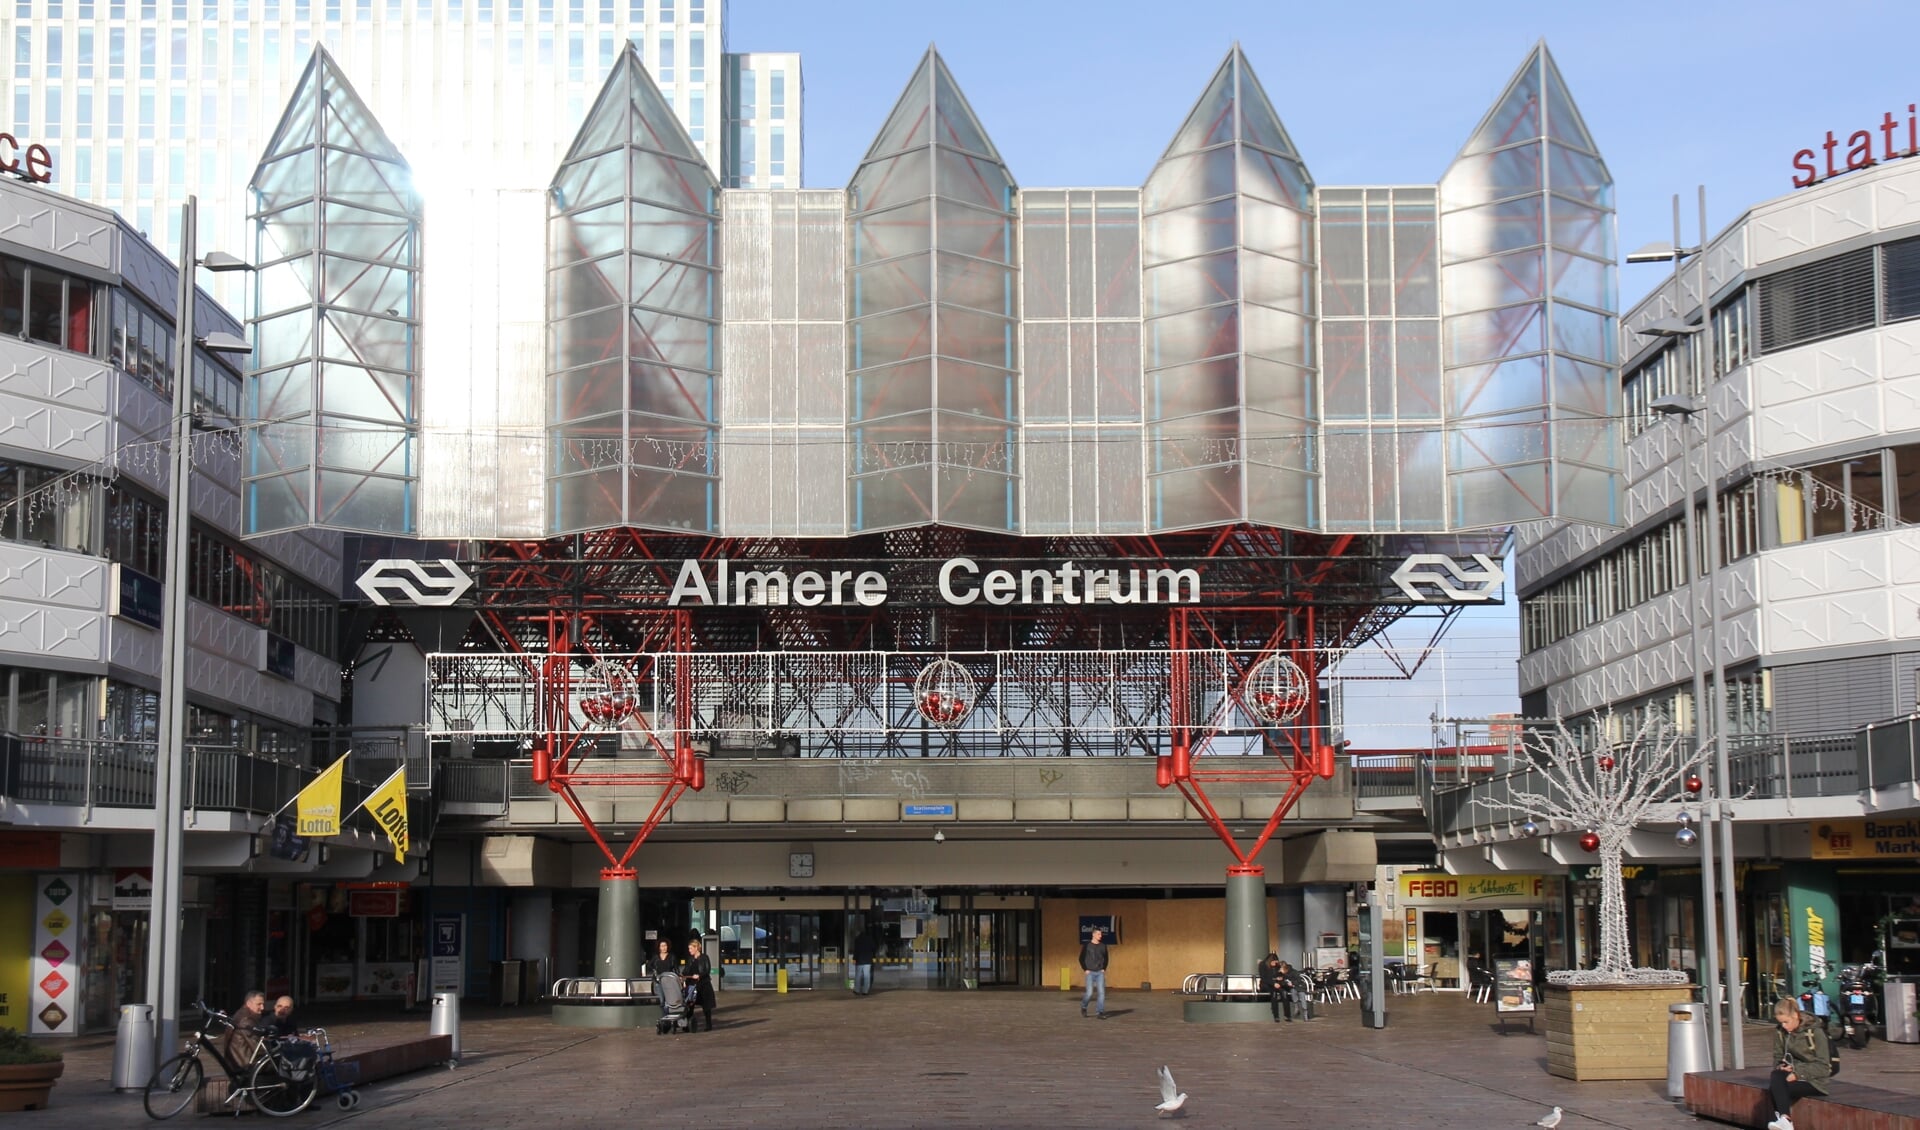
1740,1097
361,1067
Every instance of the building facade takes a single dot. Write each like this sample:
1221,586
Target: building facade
1801,605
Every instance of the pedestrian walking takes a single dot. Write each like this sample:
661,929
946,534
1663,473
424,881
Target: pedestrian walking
698,971
1093,960
863,952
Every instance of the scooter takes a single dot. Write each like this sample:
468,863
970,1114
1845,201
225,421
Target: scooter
1814,1000
1856,1003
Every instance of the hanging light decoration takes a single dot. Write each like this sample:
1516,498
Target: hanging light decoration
1686,837
1693,783
943,692
1606,762
1529,829
1589,841
1276,690
612,694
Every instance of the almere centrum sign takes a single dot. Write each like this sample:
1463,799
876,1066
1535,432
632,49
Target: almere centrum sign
962,581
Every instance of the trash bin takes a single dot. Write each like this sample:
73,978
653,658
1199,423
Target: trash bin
1686,1046
446,1019
506,983
133,1048
1902,1026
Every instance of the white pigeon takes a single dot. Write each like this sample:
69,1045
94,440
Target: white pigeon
1550,1119
1171,1097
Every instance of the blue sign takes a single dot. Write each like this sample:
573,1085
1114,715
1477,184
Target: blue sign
929,810
285,844
1107,924
137,597
280,656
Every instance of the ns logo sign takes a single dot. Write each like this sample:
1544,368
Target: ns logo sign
1434,578
429,583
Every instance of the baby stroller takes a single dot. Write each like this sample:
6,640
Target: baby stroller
676,1005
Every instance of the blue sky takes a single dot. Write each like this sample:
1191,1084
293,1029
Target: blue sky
1089,93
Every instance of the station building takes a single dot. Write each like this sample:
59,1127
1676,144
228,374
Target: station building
938,556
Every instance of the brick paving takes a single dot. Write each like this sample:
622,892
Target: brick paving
986,1059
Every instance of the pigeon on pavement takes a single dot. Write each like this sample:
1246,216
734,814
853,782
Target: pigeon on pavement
1171,1097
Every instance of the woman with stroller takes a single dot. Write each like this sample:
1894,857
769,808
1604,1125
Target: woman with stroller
663,960
698,971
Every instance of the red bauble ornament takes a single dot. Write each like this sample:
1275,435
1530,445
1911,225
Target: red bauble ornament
1589,841
1693,783
1607,763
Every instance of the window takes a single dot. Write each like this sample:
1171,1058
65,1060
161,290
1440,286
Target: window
54,51
1817,300
45,305
744,160
1731,345
177,53
777,151
576,56
696,56
697,115
116,52
1901,261
696,11
777,96
743,93
83,54
149,51
1667,373
664,70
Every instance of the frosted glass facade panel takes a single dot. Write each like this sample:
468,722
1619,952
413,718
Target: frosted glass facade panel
337,228
655,462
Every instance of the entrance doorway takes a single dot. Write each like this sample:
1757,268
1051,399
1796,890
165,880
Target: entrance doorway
1439,941
768,942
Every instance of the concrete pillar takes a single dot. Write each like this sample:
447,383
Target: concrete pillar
1325,912
1291,904
617,951
1246,921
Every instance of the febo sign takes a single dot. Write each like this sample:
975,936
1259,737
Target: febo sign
1862,149
28,162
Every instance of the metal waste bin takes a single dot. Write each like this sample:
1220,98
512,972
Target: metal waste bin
1902,1026
1686,1046
133,1048
446,1019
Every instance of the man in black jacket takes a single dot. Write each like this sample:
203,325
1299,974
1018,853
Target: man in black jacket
863,953
1093,959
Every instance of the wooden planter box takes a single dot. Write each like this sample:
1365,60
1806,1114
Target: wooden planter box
1609,1031
26,1086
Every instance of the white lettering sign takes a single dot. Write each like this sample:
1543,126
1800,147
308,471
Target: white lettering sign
962,581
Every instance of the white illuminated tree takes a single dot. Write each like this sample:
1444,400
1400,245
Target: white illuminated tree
1605,789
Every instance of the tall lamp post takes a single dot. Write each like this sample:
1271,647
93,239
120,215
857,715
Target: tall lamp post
1708,703
170,751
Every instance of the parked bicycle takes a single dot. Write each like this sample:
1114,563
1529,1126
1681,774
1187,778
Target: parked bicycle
273,1083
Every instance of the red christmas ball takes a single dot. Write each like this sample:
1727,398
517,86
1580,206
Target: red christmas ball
1693,783
1589,841
1607,763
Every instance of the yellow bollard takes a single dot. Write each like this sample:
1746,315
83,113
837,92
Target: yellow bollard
1066,978
780,980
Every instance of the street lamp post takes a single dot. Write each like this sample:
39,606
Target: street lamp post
170,750
1708,702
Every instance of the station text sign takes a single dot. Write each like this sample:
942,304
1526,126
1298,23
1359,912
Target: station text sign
1891,139
962,581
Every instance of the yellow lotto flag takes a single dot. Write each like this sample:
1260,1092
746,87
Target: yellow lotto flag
317,808
388,803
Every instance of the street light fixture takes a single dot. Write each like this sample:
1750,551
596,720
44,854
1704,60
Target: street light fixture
1688,406
169,792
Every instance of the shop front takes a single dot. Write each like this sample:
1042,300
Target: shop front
923,940
1454,925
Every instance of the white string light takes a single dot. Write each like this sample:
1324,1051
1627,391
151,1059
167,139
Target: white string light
1608,789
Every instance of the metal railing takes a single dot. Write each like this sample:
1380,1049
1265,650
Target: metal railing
98,773
1767,767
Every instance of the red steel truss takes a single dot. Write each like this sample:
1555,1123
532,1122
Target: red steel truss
560,603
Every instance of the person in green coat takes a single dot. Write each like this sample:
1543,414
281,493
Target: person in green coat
1802,1060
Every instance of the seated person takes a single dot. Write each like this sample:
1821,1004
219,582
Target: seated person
297,1050
249,1025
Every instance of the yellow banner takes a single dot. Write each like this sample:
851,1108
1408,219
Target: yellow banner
388,803
317,808
1439,887
1866,839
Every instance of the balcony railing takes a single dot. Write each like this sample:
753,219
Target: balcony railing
1769,767
96,773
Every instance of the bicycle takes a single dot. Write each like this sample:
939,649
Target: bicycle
274,1084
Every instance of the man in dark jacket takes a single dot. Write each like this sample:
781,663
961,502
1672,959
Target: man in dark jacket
863,951
1093,960
1273,982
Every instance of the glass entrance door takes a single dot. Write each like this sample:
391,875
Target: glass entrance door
784,940
997,948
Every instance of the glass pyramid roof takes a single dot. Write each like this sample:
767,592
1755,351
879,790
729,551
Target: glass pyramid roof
1235,107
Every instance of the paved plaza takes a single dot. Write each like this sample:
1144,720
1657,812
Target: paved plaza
987,1058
